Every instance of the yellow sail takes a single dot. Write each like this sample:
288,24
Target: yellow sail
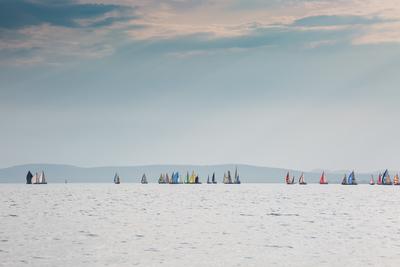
192,178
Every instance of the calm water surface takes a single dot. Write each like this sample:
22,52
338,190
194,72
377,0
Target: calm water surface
199,225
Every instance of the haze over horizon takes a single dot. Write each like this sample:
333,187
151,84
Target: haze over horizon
288,84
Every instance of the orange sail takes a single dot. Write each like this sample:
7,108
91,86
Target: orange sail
396,180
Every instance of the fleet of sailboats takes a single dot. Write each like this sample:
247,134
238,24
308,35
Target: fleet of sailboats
176,178
38,178
351,180
228,178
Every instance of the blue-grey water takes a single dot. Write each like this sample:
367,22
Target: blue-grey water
199,225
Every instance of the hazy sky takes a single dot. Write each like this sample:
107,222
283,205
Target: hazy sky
282,83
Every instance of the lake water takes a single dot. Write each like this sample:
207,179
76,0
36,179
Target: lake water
199,225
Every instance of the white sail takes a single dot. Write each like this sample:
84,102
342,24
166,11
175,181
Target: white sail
116,179
144,179
34,178
43,178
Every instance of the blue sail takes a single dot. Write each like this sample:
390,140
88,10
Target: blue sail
351,177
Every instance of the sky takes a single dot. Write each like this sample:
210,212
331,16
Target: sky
281,83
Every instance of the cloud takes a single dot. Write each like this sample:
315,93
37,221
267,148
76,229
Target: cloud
63,30
281,37
55,32
333,20
15,14
380,34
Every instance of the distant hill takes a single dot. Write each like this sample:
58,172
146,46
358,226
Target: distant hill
131,174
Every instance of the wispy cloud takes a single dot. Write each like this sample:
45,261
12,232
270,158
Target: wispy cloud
95,28
16,14
52,32
336,20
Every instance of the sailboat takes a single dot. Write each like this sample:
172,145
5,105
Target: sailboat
39,178
144,179
301,180
344,180
197,180
192,178
208,179
161,180
396,179
322,179
288,180
386,178
116,179
175,178
229,178
187,181
35,178
29,177
379,182
237,179
213,179
351,180
371,181
225,180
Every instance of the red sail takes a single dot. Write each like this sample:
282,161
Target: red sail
380,179
322,179
287,179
